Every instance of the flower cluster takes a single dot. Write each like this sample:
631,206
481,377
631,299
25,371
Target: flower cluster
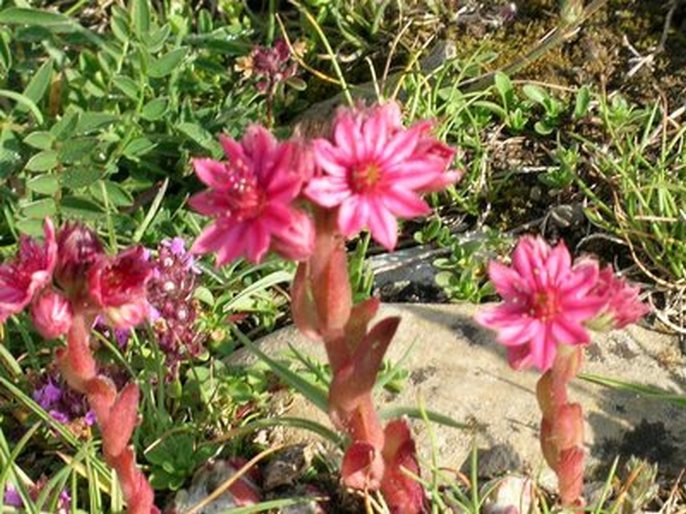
173,307
63,404
301,199
69,283
271,65
548,300
372,171
70,270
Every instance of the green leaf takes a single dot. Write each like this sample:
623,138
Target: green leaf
76,149
117,196
30,227
40,140
583,100
200,136
155,109
137,147
79,207
140,17
92,121
65,127
503,84
167,63
39,209
535,93
45,184
127,86
38,84
55,22
5,53
27,102
204,295
78,177
156,39
42,161
119,24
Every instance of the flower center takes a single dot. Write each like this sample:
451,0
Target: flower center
364,177
246,198
545,305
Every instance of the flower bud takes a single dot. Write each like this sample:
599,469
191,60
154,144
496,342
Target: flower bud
52,314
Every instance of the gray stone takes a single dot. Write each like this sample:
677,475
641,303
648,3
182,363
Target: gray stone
495,461
457,369
286,466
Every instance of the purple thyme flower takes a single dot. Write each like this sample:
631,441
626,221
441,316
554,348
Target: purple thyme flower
48,395
61,402
11,497
173,308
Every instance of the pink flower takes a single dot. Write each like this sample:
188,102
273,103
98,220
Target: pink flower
251,196
546,302
375,169
118,287
30,271
51,313
623,305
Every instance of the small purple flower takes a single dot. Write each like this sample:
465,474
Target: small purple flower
89,418
59,416
122,336
177,246
48,395
11,497
61,402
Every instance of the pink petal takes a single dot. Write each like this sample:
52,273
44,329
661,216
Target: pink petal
519,357
582,309
208,240
232,149
543,348
232,244
353,215
346,135
210,203
558,263
568,332
582,278
400,147
212,173
259,145
404,203
383,225
506,280
327,191
375,133
329,159
257,241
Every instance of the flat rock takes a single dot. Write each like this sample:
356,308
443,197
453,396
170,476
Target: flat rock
457,369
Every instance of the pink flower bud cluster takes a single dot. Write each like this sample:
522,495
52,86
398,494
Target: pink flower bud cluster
71,271
271,65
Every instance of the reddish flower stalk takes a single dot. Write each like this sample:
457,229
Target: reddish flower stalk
68,283
115,413
548,305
